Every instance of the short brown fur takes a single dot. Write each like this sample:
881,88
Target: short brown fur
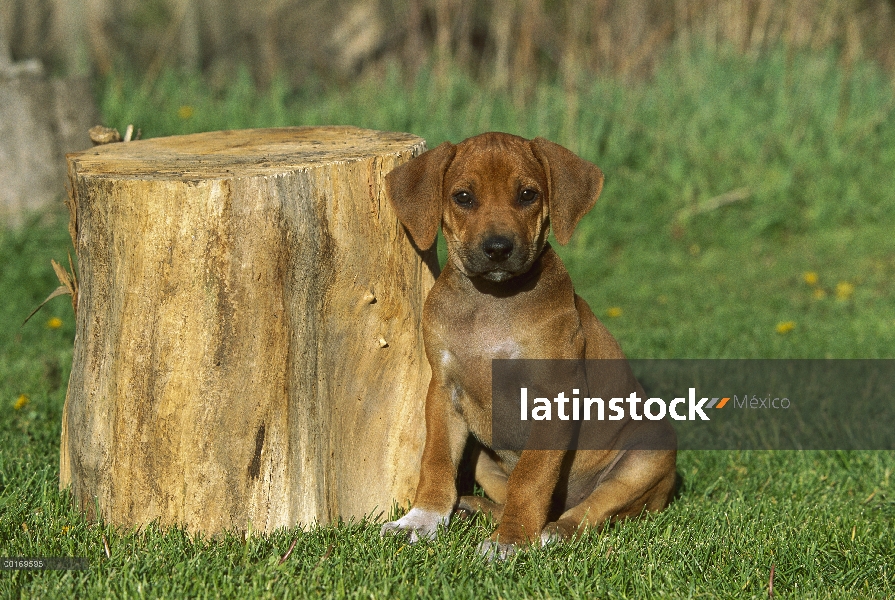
504,293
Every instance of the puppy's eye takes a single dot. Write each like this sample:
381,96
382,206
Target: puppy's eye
463,198
527,196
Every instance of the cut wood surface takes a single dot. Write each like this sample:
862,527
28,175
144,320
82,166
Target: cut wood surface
248,350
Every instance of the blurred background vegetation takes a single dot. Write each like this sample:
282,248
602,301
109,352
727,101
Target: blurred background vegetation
504,43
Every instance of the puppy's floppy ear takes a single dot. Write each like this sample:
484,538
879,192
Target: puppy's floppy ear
415,190
573,186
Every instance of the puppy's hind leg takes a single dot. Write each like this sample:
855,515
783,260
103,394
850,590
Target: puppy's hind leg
640,480
493,480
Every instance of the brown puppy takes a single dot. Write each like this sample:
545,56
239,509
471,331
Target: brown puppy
504,293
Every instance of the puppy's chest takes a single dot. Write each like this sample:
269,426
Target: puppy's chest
464,351
475,337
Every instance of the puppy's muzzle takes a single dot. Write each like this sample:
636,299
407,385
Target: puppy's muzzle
497,248
496,258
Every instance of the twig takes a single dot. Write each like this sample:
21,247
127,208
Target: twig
57,292
106,546
326,554
771,584
288,552
737,195
68,285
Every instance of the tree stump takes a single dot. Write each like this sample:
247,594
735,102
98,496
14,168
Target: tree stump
248,351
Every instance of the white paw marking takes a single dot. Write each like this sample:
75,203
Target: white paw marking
418,524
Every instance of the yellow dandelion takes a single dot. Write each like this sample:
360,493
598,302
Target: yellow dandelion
819,294
844,290
614,312
54,323
810,277
185,112
785,327
21,402
65,529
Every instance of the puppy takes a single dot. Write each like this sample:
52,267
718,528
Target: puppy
504,293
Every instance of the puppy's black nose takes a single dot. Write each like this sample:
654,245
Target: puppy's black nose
497,247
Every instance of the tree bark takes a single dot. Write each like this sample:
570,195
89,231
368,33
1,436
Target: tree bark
248,350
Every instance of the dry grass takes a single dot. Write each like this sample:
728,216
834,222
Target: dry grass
507,43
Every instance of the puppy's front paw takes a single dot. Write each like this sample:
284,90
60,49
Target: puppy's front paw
416,525
492,550
504,542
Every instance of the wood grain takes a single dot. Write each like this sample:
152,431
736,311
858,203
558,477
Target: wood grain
236,288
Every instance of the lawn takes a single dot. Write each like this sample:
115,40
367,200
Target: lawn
748,212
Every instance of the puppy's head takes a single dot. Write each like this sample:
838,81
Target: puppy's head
495,196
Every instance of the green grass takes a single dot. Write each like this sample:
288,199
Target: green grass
811,152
